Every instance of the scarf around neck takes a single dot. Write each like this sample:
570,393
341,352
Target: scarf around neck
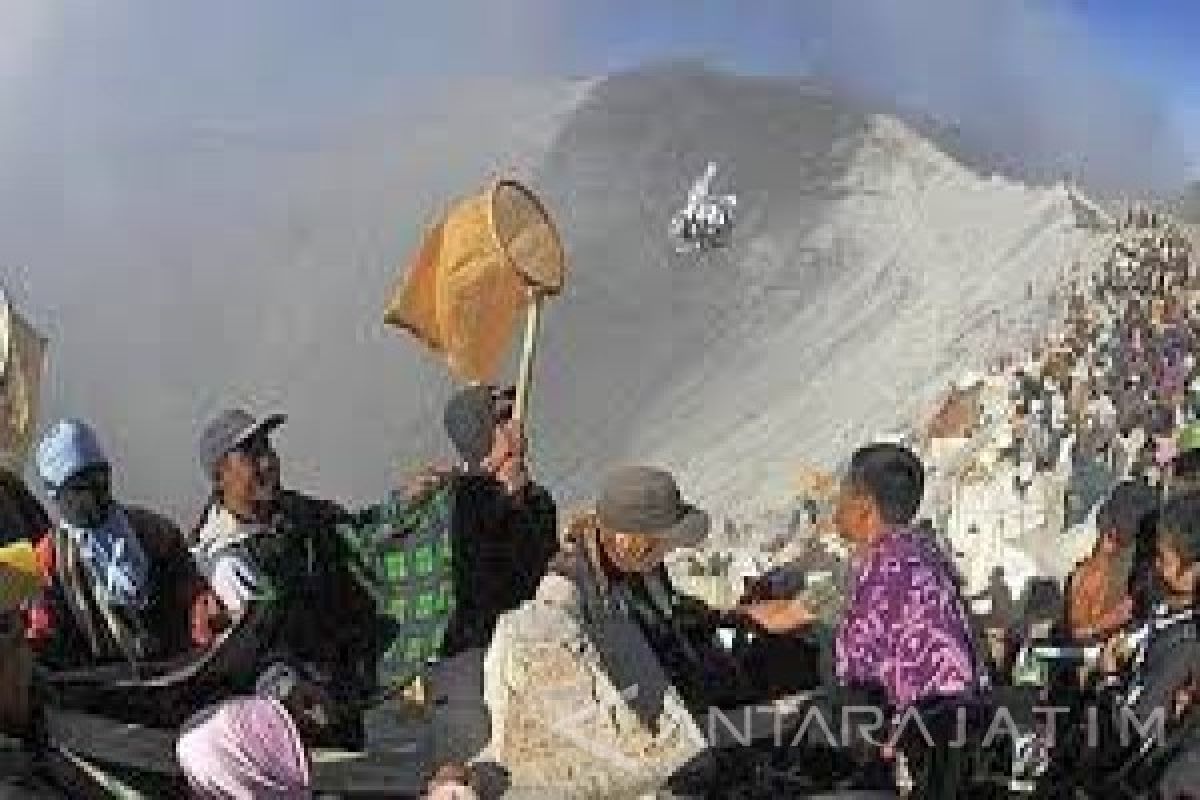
222,529
114,560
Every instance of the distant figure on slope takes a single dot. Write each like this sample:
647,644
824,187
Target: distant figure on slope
706,221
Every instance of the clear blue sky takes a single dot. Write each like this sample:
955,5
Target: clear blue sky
1159,41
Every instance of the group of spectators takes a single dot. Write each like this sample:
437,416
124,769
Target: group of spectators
98,582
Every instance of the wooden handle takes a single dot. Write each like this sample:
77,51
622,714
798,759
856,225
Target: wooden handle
533,322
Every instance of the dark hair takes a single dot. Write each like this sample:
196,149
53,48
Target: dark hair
1187,464
1180,523
1124,510
892,476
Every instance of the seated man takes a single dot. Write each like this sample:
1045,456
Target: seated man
261,543
1098,598
905,631
118,579
879,497
614,557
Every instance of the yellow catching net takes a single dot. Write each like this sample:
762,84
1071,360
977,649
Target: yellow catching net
471,278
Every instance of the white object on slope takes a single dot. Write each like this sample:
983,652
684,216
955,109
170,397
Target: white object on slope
706,221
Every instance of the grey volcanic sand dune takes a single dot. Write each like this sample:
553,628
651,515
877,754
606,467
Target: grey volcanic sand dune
639,320
868,268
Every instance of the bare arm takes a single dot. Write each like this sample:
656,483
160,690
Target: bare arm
779,616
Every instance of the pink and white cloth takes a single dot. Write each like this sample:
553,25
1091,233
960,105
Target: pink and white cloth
246,749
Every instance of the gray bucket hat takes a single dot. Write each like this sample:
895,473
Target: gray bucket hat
646,501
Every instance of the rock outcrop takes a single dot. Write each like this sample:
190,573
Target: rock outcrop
560,726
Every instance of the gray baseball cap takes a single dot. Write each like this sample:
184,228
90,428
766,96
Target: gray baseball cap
227,431
471,418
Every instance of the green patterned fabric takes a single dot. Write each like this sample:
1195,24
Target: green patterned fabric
401,552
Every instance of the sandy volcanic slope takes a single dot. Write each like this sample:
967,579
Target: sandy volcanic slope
870,269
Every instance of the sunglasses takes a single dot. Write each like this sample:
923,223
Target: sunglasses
255,447
91,481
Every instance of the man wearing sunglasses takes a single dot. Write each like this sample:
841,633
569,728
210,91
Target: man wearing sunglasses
118,578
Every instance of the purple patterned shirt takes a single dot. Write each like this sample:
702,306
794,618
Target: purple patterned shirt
905,629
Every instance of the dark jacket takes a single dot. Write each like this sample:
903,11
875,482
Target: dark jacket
21,515
323,620
67,627
502,546
1167,660
679,630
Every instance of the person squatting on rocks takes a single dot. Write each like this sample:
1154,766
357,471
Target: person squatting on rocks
614,557
502,532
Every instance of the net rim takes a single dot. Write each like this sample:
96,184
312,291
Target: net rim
539,206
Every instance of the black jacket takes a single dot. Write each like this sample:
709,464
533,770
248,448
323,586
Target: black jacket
502,546
318,624
1168,659
325,619
161,630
